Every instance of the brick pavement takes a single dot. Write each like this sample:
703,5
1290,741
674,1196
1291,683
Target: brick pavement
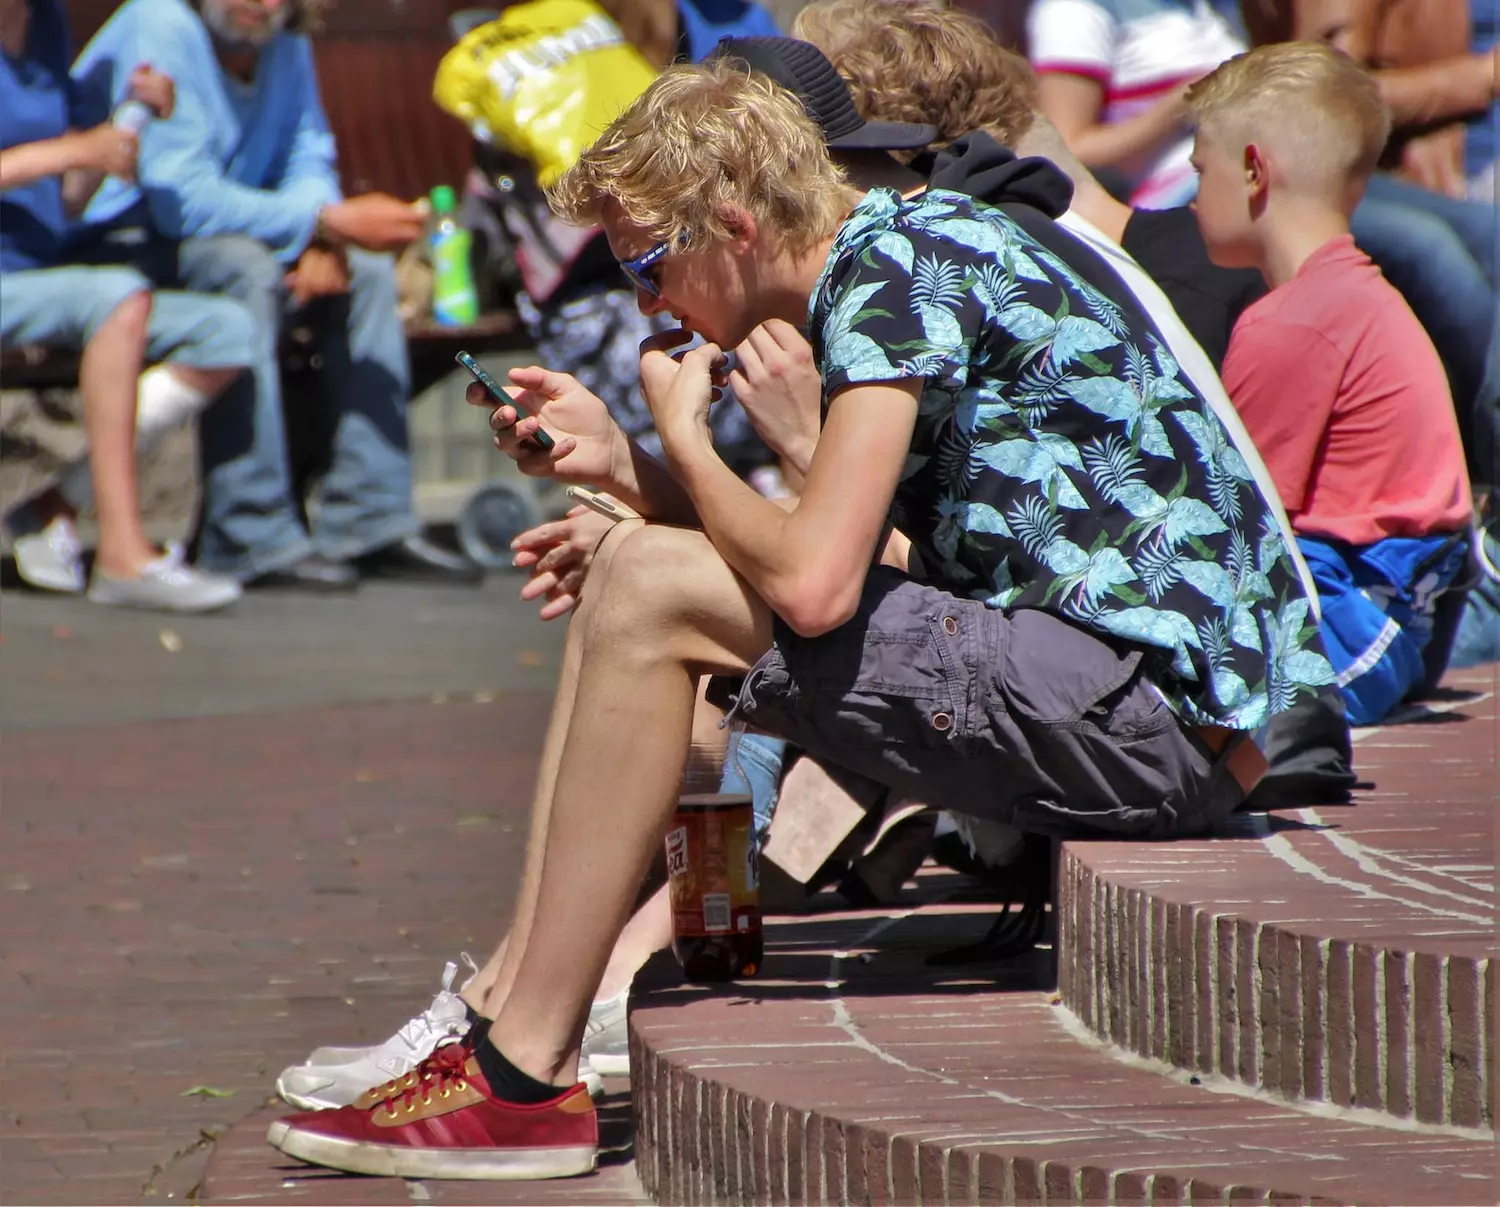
200,902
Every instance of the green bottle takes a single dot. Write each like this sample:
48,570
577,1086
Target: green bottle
455,302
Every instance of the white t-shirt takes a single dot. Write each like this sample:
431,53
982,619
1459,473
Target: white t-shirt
1138,51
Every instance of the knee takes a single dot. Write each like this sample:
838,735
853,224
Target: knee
132,313
635,587
245,267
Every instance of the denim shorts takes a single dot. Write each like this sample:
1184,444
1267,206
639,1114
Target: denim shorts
64,307
1014,717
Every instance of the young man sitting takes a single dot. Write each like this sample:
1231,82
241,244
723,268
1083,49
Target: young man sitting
1091,618
1337,382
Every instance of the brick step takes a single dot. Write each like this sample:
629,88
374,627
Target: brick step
1339,955
852,1073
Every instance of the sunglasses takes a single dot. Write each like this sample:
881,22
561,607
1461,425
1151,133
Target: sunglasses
643,269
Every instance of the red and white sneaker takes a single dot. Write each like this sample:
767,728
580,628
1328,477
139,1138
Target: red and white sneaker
442,1121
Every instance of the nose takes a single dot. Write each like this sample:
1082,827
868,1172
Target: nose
649,304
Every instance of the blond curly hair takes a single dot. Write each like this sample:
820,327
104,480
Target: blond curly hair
919,61
699,142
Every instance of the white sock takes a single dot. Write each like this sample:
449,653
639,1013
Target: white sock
162,402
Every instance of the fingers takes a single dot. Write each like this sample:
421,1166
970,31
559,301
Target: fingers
664,341
542,381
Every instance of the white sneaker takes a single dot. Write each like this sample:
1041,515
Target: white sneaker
52,559
167,584
606,1041
334,1077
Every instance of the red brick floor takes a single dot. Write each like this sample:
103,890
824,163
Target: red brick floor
199,903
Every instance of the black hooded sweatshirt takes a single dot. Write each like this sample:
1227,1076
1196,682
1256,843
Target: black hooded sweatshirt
1034,191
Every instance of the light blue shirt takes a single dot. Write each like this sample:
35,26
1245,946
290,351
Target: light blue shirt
252,159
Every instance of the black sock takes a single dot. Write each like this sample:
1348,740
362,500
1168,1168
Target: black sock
508,1083
471,1015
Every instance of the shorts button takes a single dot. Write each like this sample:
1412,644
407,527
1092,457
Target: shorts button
942,721
950,626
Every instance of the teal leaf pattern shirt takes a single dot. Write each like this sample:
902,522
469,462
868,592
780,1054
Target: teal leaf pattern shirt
1061,459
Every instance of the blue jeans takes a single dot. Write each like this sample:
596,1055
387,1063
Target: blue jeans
753,764
250,520
1441,254
251,523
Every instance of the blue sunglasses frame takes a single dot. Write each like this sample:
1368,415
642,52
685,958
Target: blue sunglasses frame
639,269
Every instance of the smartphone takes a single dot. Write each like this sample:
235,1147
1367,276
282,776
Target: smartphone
603,505
497,392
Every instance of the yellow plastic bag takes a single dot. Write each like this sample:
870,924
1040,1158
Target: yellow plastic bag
543,80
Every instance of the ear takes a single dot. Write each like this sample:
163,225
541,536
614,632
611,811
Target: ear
1257,172
743,229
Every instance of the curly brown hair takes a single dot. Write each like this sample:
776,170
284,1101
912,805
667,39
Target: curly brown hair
919,61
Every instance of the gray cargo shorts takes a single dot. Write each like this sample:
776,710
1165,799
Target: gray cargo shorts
1015,717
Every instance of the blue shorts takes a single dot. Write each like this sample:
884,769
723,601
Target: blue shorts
65,307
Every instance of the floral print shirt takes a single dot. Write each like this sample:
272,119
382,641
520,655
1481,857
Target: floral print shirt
1060,459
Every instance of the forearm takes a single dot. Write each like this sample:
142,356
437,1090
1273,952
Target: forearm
1436,92
33,161
648,486
1101,146
754,535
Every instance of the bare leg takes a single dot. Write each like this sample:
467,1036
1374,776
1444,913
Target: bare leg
488,989
107,374
486,992
648,932
665,610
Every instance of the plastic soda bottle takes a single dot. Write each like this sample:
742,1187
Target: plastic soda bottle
714,874
455,302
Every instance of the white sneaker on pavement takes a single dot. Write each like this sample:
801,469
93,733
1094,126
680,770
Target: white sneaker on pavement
167,584
333,1077
606,1042
52,559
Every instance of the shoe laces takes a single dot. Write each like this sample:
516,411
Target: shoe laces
63,539
443,1072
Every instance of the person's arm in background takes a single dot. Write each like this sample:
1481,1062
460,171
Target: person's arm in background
100,151
1287,422
1072,49
181,176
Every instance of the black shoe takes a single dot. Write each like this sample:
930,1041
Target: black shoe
416,559
315,572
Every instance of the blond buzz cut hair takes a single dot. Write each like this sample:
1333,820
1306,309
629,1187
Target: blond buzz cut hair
701,140
922,62
1319,109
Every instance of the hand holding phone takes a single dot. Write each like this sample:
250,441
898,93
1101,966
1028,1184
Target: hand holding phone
497,392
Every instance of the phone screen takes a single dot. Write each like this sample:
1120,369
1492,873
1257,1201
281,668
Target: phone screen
541,439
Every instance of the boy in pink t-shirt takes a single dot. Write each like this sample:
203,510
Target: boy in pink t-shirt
1337,382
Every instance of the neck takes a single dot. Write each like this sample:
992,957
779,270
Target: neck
1090,200
238,63
795,277
1292,229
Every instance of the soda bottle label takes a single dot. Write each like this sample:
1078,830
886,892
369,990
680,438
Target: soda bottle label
712,867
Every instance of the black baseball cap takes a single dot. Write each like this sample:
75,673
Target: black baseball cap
804,70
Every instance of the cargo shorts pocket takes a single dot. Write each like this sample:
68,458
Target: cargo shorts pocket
899,674
1058,676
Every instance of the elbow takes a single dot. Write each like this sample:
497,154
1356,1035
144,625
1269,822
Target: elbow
815,605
